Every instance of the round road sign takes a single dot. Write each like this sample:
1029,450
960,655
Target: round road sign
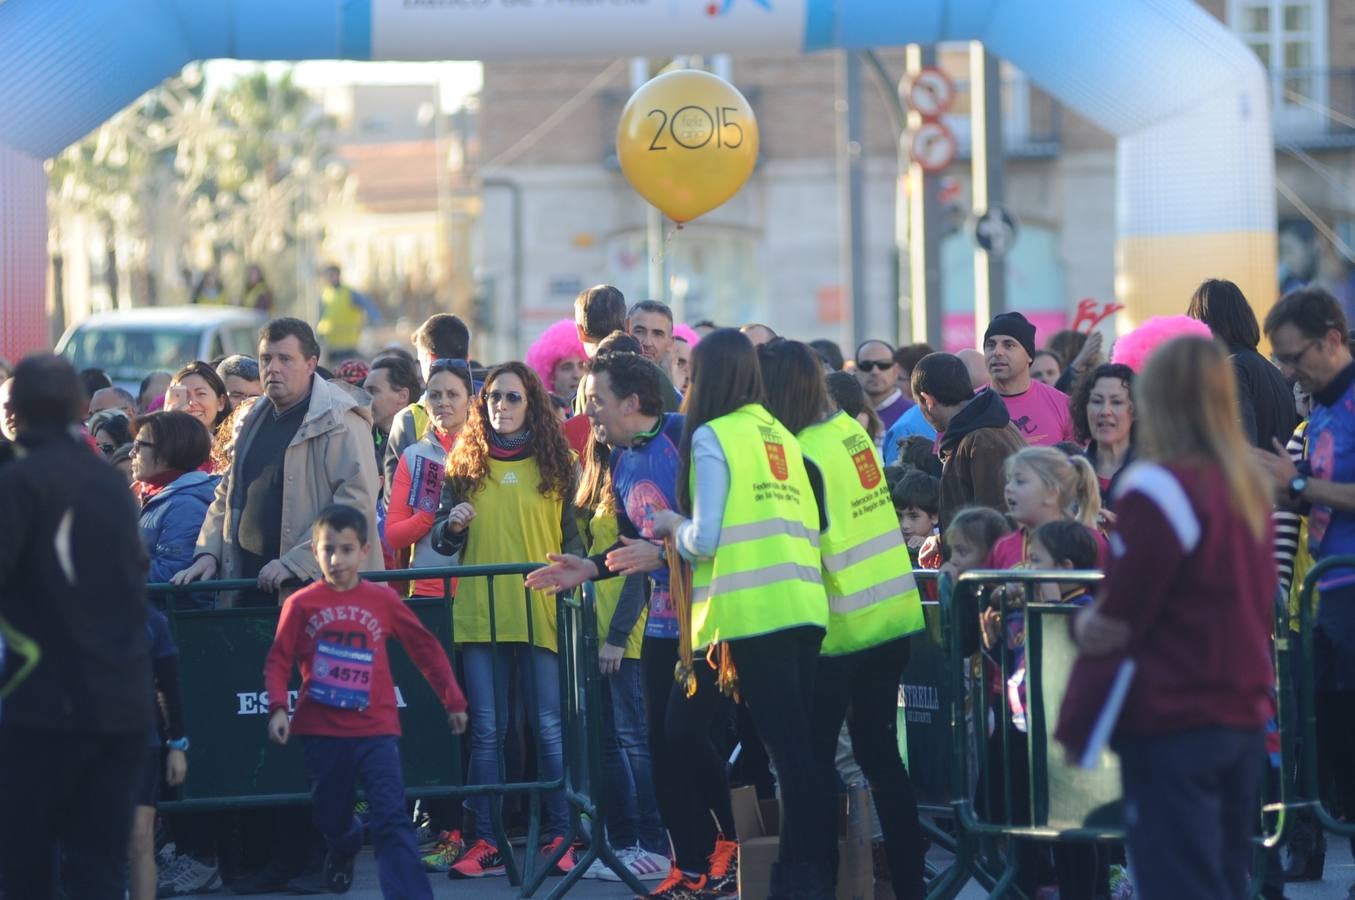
933,147
995,230
931,93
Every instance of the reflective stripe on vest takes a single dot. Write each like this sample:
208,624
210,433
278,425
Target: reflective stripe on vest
872,595
766,575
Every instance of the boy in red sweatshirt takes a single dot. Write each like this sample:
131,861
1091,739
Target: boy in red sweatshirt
336,631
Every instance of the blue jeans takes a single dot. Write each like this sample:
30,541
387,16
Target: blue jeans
333,765
633,809
489,715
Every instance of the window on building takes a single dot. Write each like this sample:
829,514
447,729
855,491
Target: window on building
1290,39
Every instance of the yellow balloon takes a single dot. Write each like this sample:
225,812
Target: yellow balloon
687,142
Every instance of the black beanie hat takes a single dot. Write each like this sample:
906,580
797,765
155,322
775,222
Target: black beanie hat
1013,325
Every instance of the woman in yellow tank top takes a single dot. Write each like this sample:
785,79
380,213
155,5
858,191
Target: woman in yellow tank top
511,474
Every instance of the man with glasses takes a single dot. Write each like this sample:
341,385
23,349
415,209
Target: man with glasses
240,374
1307,332
879,377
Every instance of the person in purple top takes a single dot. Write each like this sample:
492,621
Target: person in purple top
1307,333
879,376
1038,411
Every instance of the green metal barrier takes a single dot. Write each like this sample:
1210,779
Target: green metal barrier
1304,783
1068,803
222,655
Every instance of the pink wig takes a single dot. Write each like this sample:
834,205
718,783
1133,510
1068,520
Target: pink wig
1134,348
558,342
687,334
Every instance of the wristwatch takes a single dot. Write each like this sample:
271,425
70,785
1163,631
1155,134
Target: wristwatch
180,744
1297,485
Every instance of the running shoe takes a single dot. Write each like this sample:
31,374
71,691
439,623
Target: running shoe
566,863
722,880
645,866
481,860
449,849
677,886
186,876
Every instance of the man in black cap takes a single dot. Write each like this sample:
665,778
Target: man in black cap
1038,411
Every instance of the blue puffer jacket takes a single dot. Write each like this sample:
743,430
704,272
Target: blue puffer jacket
170,522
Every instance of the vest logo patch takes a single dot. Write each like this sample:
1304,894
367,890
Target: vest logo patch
863,456
510,478
866,468
776,457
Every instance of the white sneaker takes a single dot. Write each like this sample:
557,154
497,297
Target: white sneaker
645,866
596,869
188,876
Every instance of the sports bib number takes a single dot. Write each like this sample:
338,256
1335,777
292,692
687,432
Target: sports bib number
341,676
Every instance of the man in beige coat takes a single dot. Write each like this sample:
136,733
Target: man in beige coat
308,446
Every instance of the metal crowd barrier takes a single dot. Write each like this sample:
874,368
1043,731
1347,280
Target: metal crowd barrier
221,658
1300,786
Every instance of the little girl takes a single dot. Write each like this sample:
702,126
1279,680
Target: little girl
971,536
1043,485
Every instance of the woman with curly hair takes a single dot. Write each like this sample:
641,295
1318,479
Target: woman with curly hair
1102,408
513,474
559,359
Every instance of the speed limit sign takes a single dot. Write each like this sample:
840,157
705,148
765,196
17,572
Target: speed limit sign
934,147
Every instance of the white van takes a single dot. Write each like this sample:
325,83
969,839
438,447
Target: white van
130,344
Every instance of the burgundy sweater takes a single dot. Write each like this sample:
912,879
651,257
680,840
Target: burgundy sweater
1199,591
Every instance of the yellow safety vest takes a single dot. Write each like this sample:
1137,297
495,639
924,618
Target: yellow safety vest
872,596
514,523
601,528
340,318
765,575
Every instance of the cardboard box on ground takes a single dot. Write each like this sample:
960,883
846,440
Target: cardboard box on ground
759,825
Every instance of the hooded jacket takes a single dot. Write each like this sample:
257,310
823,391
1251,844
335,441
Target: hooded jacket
973,448
329,460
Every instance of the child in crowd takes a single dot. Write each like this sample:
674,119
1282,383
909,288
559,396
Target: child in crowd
971,536
167,757
1043,485
917,498
336,632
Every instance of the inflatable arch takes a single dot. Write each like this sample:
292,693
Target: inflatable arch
1186,100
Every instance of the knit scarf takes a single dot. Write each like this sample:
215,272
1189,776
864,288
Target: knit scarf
509,447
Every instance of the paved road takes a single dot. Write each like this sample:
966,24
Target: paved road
1340,877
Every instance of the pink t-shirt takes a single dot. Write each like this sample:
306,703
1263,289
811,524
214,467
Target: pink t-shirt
1041,414
1010,551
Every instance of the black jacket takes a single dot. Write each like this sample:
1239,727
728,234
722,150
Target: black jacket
974,448
73,578
1266,400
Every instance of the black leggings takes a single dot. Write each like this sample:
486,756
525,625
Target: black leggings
684,740
863,689
776,680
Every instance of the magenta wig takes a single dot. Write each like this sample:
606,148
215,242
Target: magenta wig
559,341
687,334
1134,348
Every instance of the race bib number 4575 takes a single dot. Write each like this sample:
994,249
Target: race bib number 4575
340,676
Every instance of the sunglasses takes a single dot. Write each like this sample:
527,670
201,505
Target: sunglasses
512,398
138,446
443,364
868,365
